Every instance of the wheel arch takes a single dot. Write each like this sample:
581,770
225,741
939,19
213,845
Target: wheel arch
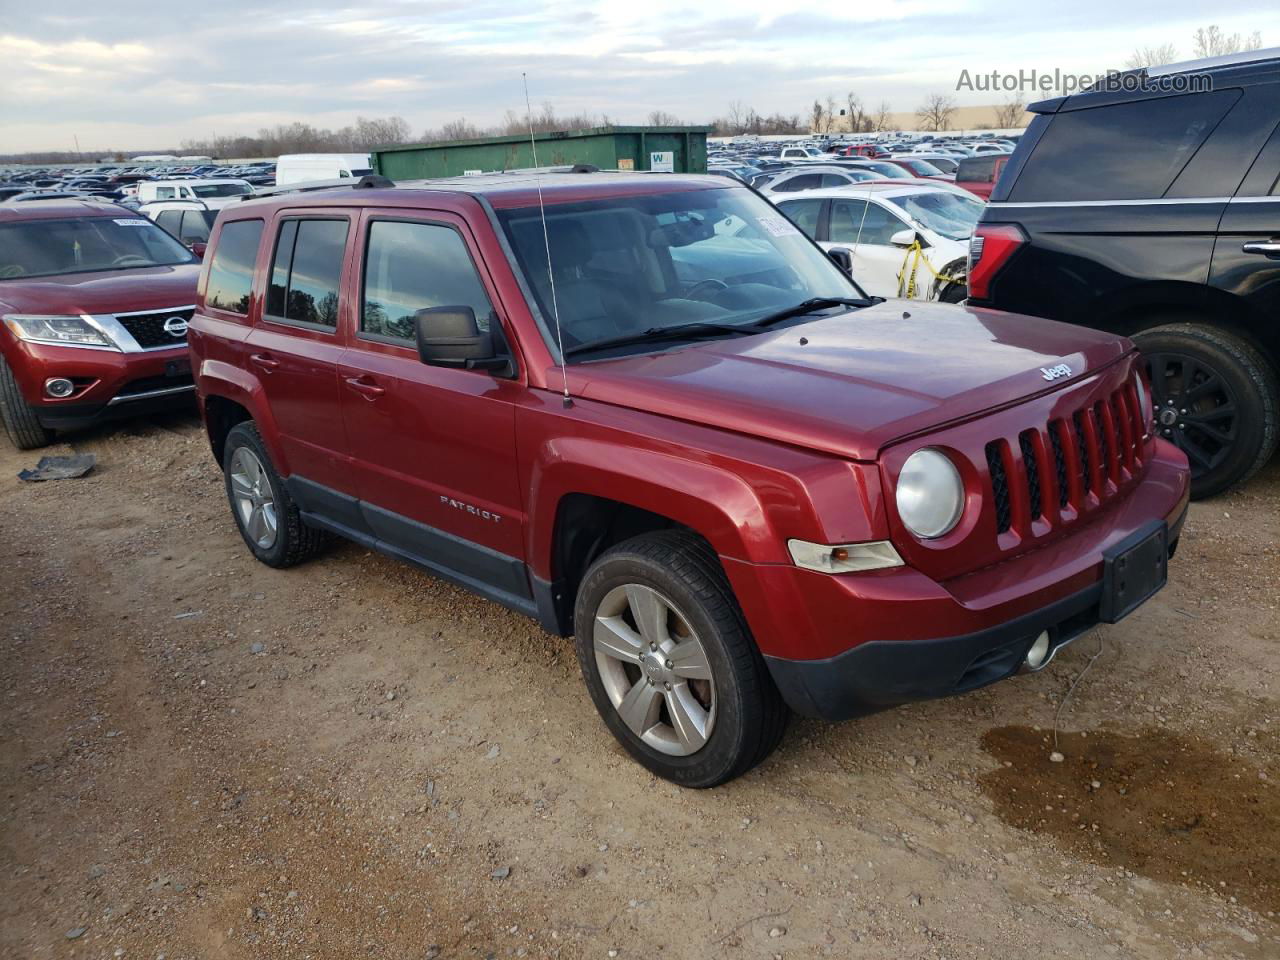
230,395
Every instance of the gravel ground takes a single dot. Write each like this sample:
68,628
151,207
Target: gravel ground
204,757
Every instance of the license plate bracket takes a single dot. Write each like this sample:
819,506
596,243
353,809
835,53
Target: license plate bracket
1133,571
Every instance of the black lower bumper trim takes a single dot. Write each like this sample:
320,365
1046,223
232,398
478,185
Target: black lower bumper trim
79,416
880,674
885,673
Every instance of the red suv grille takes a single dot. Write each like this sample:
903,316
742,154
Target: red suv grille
1066,463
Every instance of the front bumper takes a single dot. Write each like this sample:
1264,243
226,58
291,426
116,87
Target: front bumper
109,383
842,646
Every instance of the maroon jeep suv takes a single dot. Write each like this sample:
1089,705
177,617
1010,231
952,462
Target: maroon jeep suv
94,306
648,411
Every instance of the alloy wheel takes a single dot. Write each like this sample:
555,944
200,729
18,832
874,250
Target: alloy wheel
1195,408
654,669
251,491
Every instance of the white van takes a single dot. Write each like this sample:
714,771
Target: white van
303,167
215,193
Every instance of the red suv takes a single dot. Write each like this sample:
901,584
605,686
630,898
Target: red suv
94,306
651,413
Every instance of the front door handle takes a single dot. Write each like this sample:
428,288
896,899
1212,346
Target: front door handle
1265,248
265,361
365,386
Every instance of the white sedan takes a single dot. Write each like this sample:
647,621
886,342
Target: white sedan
909,240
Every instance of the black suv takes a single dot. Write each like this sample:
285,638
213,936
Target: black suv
1156,214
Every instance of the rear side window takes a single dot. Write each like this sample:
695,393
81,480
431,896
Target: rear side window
806,181
231,270
306,272
976,170
195,226
413,266
170,220
1125,151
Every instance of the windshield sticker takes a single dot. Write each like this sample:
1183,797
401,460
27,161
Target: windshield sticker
777,225
133,222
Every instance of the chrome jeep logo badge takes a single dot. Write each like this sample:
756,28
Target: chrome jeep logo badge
1055,373
175,327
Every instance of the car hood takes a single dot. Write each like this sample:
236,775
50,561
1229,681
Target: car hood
854,383
109,291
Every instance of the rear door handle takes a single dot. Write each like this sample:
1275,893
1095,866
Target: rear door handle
365,386
266,362
1265,248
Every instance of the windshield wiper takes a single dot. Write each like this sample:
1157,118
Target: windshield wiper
683,331
808,306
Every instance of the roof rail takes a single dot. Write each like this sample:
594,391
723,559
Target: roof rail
367,182
1210,63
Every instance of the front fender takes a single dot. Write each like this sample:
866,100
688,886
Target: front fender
708,499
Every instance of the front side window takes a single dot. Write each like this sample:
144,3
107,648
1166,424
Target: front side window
415,266
306,271
859,221
626,266
231,270
43,248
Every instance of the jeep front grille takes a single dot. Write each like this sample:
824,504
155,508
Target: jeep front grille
1051,472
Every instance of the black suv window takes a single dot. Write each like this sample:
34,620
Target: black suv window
1124,151
412,266
231,271
306,271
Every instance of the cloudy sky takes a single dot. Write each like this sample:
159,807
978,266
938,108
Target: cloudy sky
133,75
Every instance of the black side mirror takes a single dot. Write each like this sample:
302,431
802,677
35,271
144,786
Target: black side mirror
450,337
842,258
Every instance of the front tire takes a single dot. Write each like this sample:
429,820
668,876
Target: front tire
266,515
1215,397
20,421
670,663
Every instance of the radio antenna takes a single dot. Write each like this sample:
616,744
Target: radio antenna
546,242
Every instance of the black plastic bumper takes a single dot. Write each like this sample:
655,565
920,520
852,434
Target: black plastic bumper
84,415
880,674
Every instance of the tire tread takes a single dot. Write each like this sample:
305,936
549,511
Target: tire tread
20,423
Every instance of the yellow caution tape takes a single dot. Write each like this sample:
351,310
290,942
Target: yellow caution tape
907,277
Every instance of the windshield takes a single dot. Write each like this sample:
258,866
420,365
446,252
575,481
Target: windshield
923,168
949,214
888,170
43,248
221,189
627,265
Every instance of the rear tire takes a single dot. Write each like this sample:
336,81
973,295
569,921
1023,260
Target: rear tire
711,712
20,422
266,515
1216,397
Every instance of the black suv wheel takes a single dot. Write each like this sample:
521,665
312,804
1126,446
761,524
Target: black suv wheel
1216,397
670,663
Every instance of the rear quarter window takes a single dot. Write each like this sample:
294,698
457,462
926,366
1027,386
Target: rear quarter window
231,269
1122,151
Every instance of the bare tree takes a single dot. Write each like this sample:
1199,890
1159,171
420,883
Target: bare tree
883,115
817,112
936,112
859,122
829,118
660,118
1210,41
737,110
1010,113
1152,56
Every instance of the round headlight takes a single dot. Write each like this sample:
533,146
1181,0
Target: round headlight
930,494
